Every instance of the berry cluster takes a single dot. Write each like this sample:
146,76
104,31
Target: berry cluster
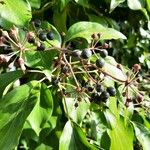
12,46
101,94
80,72
43,35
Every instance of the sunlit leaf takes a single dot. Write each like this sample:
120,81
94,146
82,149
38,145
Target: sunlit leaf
121,134
42,110
142,134
14,109
136,4
73,138
10,14
114,72
86,29
35,3
77,114
114,4
7,78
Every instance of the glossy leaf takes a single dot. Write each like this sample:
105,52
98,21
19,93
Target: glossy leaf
98,127
14,109
121,135
136,4
7,78
42,110
77,114
40,60
84,3
63,4
114,4
142,134
35,3
73,138
44,147
10,14
114,72
86,29
148,5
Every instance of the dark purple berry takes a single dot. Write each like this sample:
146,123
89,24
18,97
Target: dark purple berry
100,63
42,36
99,88
55,81
89,88
103,53
111,90
104,96
94,97
86,53
31,40
41,47
140,98
50,35
76,105
76,53
37,23
65,69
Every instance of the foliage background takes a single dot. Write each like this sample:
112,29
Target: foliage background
33,116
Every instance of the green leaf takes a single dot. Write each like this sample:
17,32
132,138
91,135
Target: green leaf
42,110
98,127
113,106
77,114
148,5
63,4
73,138
86,29
84,3
101,20
142,134
114,72
14,109
16,12
35,3
59,19
44,147
7,78
136,4
114,4
121,135
40,60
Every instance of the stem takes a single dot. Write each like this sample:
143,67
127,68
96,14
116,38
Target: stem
42,79
65,104
64,56
78,72
13,42
35,71
90,77
69,85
